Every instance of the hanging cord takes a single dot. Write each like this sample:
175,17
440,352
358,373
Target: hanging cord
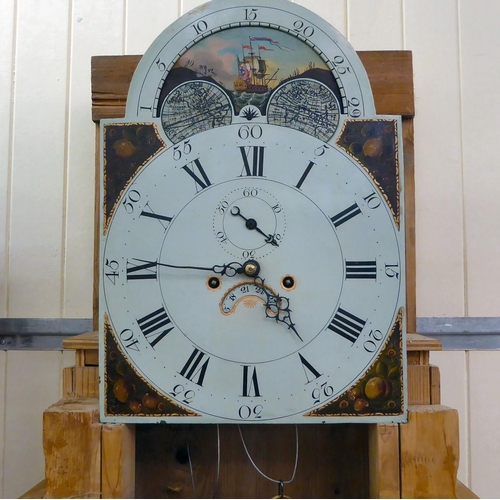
278,481
218,465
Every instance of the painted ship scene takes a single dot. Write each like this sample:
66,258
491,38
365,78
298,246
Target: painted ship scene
249,63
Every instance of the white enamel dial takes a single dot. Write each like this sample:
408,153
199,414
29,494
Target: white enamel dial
329,253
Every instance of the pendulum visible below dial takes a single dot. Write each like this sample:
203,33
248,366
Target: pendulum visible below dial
249,222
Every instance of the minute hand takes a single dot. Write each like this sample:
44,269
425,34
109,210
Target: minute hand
250,268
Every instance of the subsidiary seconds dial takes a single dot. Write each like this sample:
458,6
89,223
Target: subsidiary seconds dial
249,222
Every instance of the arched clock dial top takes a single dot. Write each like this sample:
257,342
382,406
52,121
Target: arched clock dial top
252,261
249,49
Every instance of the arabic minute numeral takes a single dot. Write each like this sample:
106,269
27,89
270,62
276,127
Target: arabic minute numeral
250,14
113,274
247,131
129,340
186,396
373,342
391,270
181,149
341,70
130,200
321,393
372,201
200,27
161,65
245,412
301,28
352,106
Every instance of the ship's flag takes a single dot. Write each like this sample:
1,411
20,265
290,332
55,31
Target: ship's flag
261,47
270,40
247,47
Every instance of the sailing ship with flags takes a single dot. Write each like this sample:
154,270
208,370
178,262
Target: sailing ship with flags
252,68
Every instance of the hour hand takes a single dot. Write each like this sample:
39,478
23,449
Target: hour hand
277,307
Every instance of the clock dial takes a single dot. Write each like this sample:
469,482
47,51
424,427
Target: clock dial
252,250
224,343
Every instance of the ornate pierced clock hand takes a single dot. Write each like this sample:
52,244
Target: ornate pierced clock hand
252,225
277,307
250,268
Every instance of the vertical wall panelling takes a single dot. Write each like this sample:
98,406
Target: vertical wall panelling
7,34
485,415
333,11
33,384
39,135
376,25
187,5
96,29
3,430
431,30
145,22
453,368
480,73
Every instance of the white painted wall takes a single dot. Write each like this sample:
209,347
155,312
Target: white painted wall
47,188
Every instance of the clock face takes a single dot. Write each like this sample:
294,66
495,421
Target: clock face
252,248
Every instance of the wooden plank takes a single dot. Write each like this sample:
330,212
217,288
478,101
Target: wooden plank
418,357
435,385
383,442
89,340
419,385
91,357
417,342
118,461
464,492
38,491
429,453
72,446
410,250
390,74
67,381
391,77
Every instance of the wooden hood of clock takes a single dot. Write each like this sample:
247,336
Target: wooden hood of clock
391,78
